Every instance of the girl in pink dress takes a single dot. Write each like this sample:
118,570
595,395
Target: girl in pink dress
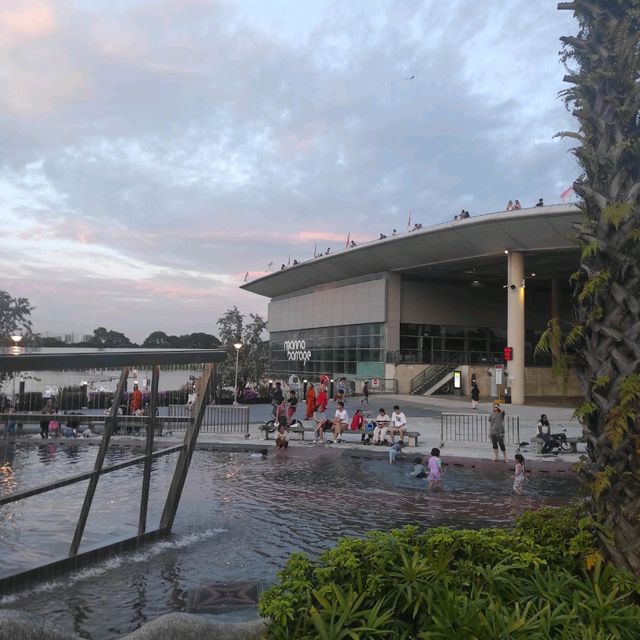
435,469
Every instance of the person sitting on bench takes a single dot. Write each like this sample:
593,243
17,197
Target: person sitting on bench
398,424
382,426
340,422
322,424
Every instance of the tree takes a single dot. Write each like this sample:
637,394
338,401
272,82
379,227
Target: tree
253,358
14,317
109,339
604,62
160,340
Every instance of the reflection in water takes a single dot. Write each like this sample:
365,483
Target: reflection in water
239,519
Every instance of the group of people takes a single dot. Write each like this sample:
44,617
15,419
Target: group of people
463,215
514,205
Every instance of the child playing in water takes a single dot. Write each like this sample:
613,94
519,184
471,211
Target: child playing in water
394,450
435,469
418,470
520,478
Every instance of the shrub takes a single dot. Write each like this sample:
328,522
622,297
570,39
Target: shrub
443,583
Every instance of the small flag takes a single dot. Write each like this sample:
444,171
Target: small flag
246,276
315,249
269,266
409,221
565,194
289,261
348,238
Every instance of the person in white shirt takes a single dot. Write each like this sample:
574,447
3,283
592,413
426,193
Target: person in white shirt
340,421
382,426
398,424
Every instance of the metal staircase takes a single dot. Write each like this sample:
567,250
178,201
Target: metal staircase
431,377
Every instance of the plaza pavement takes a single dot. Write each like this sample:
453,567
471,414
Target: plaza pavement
423,415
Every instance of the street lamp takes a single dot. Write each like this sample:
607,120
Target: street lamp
237,346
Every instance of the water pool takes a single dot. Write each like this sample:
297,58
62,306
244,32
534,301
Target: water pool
241,514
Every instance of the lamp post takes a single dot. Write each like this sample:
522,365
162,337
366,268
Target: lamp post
237,346
16,337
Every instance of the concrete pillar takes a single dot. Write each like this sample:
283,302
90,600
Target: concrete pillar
555,316
392,312
515,324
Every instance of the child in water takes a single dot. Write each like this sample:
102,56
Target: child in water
418,469
435,469
519,478
394,450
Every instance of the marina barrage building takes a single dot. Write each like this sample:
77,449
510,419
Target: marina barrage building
412,307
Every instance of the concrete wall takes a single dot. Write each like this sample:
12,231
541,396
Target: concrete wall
538,380
356,303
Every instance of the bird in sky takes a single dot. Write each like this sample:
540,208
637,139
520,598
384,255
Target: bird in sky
411,77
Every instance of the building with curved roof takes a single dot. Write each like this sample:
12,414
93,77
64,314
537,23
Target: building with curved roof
453,294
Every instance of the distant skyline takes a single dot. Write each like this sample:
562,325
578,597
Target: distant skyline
155,151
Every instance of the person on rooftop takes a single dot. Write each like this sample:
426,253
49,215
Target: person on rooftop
510,206
517,206
540,203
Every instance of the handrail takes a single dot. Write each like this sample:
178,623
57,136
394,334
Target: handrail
474,427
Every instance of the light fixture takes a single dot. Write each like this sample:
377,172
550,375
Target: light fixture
533,275
506,251
475,283
16,338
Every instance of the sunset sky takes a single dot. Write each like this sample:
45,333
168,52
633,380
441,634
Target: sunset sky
154,151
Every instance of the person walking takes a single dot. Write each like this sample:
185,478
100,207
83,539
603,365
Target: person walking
44,423
292,406
520,477
475,395
435,469
365,392
496,431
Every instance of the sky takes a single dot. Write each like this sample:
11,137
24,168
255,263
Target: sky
152,152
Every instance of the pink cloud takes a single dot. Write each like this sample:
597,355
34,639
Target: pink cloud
20,19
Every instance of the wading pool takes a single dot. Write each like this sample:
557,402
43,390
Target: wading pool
240,516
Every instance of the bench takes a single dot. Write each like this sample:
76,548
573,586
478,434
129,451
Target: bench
347,436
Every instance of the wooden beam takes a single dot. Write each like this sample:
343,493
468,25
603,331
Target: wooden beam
146,474
97,468
190,439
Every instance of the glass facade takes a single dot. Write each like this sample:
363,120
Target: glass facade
348,349
429,343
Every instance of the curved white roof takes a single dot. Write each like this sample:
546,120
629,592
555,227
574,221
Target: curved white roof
474,245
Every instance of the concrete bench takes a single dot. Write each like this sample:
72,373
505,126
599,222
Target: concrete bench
347,435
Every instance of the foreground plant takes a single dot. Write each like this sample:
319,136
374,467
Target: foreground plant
528,582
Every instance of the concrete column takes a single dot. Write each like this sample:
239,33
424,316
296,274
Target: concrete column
515,324
555,316
392,312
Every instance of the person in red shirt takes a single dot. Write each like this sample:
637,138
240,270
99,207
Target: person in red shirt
357,422
135,400
322,400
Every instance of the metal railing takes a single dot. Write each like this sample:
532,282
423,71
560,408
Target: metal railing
216,418
437,356
474,427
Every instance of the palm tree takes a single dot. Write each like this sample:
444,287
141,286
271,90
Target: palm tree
604,58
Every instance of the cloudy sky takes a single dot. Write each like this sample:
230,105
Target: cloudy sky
154,151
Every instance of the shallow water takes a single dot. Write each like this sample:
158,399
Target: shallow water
240,516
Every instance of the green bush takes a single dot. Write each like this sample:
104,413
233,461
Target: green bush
526,582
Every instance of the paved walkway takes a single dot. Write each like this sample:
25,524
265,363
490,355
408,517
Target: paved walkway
423,415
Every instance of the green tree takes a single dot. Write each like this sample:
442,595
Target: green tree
253,358
604,63
160,340
14,317
109,339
